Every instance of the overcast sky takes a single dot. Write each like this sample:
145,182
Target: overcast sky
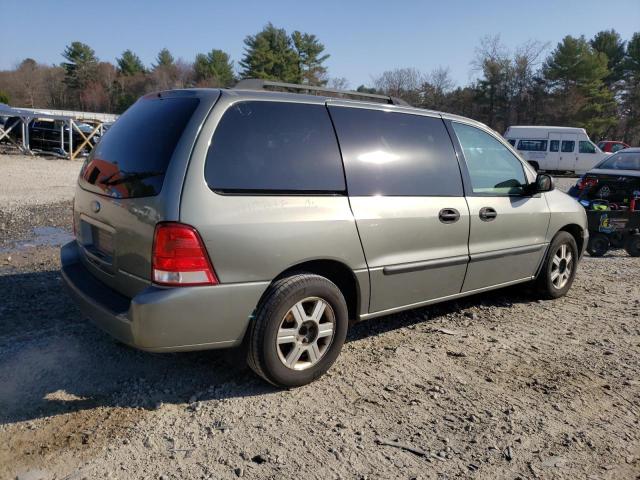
363,38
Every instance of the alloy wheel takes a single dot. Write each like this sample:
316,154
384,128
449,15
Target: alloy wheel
305,333
561,266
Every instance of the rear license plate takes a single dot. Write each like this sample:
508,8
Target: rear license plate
101,240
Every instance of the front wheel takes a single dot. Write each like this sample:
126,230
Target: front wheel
298,331
559,268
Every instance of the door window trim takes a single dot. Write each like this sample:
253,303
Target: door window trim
462,161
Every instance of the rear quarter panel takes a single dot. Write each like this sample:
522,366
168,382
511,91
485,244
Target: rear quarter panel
254,238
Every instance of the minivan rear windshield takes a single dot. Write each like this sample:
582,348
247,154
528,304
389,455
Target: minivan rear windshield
133,156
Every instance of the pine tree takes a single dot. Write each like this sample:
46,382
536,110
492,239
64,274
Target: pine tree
610,43
214,69
575,74
80,65
164,59
492,88
309,50
270,55
631,91
129,64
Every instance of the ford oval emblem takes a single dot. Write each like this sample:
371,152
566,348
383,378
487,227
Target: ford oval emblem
95,206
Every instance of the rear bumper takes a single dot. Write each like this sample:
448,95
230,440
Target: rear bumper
163,319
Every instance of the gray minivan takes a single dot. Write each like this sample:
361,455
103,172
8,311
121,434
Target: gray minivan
219,218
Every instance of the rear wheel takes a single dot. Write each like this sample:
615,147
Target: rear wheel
559,268
598,245
299,330
616,239
632,245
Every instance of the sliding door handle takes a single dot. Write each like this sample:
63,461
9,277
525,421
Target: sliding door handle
487,214
449,215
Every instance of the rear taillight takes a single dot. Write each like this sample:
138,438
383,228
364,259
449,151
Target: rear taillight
179,257
587,182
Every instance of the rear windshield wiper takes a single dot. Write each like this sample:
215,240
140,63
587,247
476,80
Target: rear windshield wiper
132,176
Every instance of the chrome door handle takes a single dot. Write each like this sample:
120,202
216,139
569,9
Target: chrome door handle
487,214
449,215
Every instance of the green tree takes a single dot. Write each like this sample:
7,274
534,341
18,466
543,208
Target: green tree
164,74
4,98
311,58
129,64
631,91
214,69
270,55
164,59
575,74
80,65
610,43
365,89
493,87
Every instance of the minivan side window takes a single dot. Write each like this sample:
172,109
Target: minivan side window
396,154
493,169
274,147
554,145
568,146
586,147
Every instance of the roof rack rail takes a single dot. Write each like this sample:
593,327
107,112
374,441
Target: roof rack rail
258,84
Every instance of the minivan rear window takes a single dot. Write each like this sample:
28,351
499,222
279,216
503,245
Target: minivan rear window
274,148
132,157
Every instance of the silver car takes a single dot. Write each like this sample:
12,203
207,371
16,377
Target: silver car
273,221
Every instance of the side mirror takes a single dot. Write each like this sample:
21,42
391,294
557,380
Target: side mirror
544,183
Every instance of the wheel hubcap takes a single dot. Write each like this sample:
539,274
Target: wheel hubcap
561,266
305,333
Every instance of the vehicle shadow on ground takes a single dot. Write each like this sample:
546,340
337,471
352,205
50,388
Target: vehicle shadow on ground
52,361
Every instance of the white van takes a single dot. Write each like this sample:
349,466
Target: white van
555,148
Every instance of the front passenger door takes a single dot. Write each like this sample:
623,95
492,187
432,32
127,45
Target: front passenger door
507,227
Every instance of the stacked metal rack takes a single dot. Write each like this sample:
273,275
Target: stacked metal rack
15,129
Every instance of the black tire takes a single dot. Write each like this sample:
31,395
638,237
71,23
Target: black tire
632,245
598,245
545,282
263,355
617,240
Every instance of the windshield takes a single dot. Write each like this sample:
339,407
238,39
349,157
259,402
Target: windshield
133,155
622,161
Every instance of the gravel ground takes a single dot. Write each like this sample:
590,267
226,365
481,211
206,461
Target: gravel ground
495,386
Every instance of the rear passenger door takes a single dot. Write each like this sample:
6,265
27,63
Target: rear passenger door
508,227
553,157
405,190
568,155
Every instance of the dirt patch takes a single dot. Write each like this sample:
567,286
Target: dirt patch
499,385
